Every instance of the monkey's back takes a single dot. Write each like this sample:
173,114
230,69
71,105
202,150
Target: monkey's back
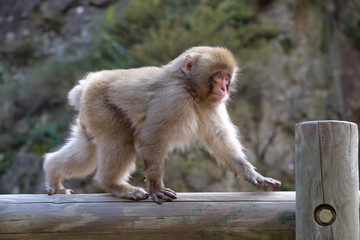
141,95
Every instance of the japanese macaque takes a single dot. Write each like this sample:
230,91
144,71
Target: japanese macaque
150,110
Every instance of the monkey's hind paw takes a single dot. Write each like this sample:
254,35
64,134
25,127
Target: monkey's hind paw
136,194
163,195
51,191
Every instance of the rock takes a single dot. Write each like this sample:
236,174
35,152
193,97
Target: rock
23,176
60,6
18,8
100,2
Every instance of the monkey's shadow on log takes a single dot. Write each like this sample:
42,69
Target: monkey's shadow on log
87,185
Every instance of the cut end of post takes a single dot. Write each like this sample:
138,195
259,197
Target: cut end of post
326,121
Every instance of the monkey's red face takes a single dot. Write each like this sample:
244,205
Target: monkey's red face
219,85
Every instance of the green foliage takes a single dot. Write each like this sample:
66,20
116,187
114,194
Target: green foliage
32,134
52,23
287,43
153,32
352,32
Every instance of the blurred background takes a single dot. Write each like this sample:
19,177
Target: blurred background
300,61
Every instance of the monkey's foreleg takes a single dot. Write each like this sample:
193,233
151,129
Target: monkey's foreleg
244,169
229,150
154,172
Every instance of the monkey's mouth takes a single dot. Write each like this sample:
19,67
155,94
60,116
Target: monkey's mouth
217,92
217,96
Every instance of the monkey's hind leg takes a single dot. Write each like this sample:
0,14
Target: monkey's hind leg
77,158
116,162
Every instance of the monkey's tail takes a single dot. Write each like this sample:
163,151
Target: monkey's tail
74,95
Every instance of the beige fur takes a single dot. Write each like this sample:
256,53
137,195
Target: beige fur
149,110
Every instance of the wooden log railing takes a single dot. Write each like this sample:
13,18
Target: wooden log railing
326,206
257,215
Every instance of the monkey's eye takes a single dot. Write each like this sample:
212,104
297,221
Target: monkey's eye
218,75
227,79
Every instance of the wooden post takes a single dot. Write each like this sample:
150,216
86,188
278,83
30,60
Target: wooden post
327,180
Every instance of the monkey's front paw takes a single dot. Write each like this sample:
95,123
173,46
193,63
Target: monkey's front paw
261,180
163,195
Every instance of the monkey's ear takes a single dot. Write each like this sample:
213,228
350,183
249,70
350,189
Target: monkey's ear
187,65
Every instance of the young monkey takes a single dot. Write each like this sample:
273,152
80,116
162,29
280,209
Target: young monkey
151,110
